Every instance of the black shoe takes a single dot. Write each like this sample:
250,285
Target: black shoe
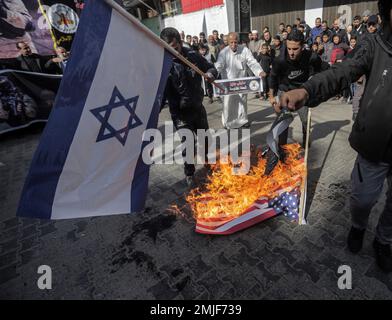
211,100
191,182
383,255
355,240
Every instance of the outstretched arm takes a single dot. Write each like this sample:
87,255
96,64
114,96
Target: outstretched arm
253,64
327,84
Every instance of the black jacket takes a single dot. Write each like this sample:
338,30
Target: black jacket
287,75
265,62
371,135
183,88
33,63
341,33
360,32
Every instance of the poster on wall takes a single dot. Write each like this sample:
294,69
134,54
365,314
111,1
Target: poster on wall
40,23
22,20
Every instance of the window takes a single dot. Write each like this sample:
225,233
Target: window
171,7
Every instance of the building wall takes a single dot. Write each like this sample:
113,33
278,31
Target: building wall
313,10
230,7
154,24
192,23
353,7
272,12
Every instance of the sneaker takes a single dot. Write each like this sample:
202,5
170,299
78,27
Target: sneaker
246,125
190,182
355,239
383,255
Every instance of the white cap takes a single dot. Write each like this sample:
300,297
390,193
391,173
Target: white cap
255,31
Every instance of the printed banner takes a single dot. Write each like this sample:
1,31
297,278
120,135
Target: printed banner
63,19
237,86
38,23
22,20
25,98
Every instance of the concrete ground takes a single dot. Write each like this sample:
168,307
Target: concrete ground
157,255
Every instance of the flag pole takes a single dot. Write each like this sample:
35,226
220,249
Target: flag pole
304,184
158,40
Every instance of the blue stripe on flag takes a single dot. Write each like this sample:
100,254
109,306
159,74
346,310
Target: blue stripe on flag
49,159
142,171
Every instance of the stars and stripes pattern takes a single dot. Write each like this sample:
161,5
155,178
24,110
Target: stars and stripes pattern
287,202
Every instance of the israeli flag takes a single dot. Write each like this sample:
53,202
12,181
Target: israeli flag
88,162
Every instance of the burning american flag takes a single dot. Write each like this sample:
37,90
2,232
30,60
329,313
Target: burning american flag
230,203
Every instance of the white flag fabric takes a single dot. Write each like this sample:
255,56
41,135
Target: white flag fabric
88,162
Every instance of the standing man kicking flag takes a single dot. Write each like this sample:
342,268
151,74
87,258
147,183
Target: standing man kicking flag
371,135
233,61
290,71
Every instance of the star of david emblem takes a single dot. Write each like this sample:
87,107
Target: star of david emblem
107,131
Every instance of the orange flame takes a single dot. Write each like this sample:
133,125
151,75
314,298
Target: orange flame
227,196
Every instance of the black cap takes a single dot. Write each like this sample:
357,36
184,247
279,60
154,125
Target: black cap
372,20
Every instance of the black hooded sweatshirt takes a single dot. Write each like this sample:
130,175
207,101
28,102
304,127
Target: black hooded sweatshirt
371,135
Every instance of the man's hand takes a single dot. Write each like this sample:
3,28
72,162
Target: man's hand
275,104
210,77
262,74
57,60
294,99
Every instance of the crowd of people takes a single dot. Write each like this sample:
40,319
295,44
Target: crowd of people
302,67
284,61
332,43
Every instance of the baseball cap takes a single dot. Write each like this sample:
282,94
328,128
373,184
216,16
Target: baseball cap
372,19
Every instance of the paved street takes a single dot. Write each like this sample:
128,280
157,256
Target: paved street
157,255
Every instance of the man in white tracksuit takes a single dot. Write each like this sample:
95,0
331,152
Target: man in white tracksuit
231,64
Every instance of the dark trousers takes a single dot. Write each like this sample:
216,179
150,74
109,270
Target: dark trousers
209,89
367,181
303,115
265,84
192,119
